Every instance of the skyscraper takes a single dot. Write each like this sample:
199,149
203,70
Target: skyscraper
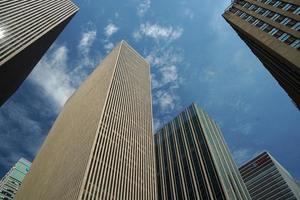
11,182
194,162
101,145
27,29
265,178
271,28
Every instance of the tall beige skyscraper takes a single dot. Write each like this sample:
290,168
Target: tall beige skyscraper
27,30
101,145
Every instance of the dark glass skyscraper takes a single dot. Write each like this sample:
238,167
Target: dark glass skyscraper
266,179
271,28
27,29
101,145
194,162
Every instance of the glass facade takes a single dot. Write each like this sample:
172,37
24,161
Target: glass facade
11,182
265,178
193,161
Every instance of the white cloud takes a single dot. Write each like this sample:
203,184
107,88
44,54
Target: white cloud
158,32
242,155
143,7
86,41
108,46
156,124
51,76
165,99
110,29
169,74
188,13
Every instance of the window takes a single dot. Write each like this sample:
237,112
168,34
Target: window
273,31
266,13
247,5
272,2
284,37
238,13
290,40
271,14
233,10
252,20
259,24
245,16
280,18
262,10
291,23
264,26
275,16
295,44
253,7
256,22
258,9
249,18
292,8
268,28
281,4
285,21
278,34
296,26
277,4
287,6
241,2
297,11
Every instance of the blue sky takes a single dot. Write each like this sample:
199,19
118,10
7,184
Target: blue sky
195,56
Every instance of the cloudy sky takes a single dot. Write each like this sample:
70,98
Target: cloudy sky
195,57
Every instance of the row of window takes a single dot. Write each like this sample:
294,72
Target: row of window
283,5
275,32
289,22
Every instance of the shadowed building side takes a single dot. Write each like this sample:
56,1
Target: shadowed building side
271,29
101,145
27,30
194,162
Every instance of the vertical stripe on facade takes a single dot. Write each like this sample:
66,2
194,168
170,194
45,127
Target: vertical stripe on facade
123,160
265,178
199,166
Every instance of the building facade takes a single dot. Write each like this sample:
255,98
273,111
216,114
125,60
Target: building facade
27,29
11,182
101,145
194,162
265,178
271,28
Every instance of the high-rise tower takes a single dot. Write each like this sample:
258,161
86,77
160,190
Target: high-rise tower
11,182
27,29
271,28
194,162
101,145
265,178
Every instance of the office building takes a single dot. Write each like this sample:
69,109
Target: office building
266,179
11,182
194,162
27,30
101,145
271,28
